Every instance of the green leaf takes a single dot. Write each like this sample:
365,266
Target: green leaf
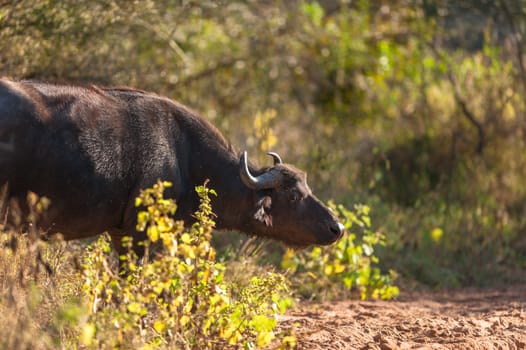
159,326
264,338
314,11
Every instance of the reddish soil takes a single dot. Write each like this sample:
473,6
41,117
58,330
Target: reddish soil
466,319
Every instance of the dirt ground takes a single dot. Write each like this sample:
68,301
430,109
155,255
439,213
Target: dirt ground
466,319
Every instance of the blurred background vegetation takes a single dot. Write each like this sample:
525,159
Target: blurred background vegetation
413,107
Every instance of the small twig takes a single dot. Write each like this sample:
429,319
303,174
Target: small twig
168,37
208,71
246,245
463,105
467,112
4,207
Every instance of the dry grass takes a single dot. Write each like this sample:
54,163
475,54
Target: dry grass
37,281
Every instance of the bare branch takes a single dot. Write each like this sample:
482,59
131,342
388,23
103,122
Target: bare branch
169,39
467,112
459,99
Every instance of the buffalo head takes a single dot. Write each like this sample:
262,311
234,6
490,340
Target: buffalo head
285,208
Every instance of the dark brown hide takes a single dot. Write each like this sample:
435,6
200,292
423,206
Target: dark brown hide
91,150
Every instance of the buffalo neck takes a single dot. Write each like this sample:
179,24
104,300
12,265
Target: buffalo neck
233,197
214,160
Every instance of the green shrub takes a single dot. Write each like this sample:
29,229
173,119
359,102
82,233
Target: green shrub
346,266
179,298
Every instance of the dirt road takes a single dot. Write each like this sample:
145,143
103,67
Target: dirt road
467,319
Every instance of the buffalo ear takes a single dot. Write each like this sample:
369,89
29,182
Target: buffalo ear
263,210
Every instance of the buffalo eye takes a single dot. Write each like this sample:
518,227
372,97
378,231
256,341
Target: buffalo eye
294,197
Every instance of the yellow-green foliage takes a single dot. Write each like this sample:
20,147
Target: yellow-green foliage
415,108
264,135
178,298
62,295
348,265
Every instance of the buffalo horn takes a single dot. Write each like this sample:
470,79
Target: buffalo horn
276,157
269,179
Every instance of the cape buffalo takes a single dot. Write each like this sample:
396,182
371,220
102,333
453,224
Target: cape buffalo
90,150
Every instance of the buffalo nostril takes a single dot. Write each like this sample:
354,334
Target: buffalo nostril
338,229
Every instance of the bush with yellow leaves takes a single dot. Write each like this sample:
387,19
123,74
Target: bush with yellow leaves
177,297
346,266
